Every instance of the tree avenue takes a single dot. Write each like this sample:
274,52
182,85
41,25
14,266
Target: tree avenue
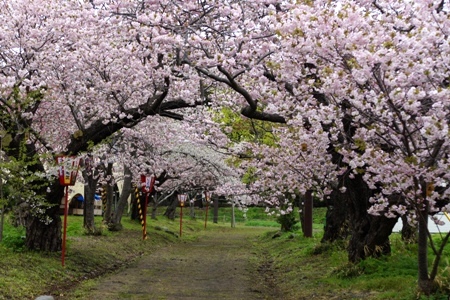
359,91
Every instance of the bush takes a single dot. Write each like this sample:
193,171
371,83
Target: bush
287,222
15,241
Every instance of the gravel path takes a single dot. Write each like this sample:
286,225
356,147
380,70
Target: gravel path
220,265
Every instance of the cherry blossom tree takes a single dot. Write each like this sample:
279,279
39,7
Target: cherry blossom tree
380,71
53,75
181,159
361,86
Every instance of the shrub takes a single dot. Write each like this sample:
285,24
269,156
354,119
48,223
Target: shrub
287,222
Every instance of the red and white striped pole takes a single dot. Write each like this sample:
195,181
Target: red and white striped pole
147,182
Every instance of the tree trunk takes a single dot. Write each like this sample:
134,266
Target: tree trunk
43,231
45,234
426,284
409,233
116,224
135,198
171,208
90,187
44,237
369,234
299,201
336,220
192,207
109,188
370,237
154,200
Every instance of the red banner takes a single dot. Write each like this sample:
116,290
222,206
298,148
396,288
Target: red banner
147,183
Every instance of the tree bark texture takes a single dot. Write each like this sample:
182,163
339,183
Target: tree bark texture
171,208
109,188
192,206
135,197
426,284
43,232
336,225
89,201
409,233
154,201
369,234
44,237
116,224
299,201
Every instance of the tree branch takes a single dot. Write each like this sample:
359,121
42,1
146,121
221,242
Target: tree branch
103,128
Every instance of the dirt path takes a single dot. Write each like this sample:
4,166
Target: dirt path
220,265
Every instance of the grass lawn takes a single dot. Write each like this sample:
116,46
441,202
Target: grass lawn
303,267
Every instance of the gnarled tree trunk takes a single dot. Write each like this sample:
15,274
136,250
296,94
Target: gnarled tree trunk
171,208
336,220
409,233
154,200
42,236
43,230
369,234
45,234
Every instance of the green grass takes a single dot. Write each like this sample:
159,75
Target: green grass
304,267
252,216
313,270
27,274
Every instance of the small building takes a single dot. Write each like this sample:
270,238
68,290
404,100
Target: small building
76,202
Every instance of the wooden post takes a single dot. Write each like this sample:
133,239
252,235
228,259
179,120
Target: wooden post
307,214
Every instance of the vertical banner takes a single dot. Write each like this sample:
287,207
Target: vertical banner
147,183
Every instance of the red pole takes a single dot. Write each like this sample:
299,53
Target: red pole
66,200
206,216
144,232
181,221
